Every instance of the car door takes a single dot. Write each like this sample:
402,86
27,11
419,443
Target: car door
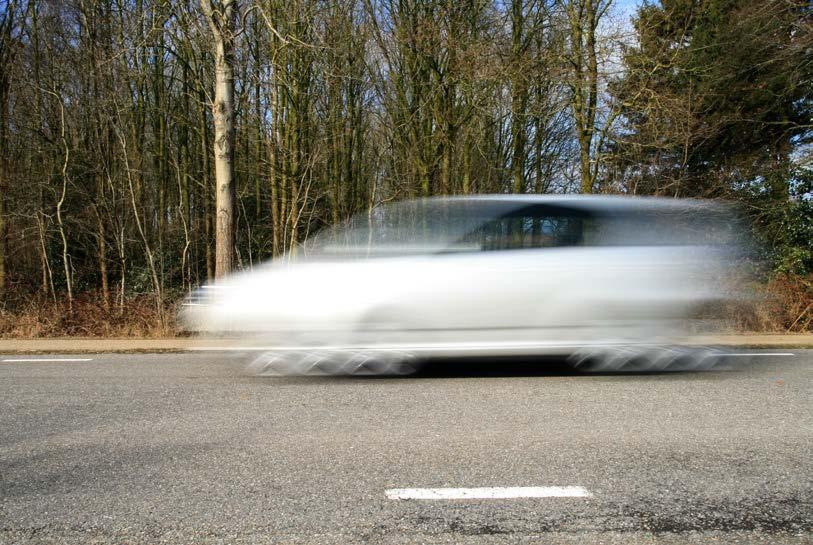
500,279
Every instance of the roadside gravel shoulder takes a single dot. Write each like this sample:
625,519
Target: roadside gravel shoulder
90,345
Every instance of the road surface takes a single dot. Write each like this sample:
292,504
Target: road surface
149,448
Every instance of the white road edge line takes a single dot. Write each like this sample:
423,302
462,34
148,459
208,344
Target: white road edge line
750,354
33,360
487,493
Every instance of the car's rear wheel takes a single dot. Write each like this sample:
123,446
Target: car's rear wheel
631,359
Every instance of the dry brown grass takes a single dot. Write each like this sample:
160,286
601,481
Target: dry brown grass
37,317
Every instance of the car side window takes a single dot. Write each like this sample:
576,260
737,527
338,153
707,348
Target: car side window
529,228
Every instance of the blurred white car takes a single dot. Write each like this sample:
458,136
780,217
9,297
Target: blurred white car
613,279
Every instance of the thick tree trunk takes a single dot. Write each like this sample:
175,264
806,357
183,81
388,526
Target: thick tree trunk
223,113
223,25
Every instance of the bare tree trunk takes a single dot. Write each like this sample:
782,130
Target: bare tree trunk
102,250
222,21
65,255
583,18
160,153
519,97
156,283
273,157
45,266
3,184
7,53
206,193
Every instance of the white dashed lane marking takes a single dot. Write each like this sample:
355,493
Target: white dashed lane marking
488,493
48,360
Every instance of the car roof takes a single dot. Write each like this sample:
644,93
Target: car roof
590,203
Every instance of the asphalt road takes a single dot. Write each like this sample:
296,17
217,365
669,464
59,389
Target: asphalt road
185,448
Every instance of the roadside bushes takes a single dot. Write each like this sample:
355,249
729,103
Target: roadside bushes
91,317
781,217
783,304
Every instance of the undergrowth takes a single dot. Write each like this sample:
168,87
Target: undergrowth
90,316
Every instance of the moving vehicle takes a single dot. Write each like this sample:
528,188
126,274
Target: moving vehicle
613,281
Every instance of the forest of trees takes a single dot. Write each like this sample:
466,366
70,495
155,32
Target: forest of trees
147,146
